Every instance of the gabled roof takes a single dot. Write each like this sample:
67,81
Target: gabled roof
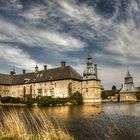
45,75
5,79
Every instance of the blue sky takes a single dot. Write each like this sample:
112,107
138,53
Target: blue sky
38,32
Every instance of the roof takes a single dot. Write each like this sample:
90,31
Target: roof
41,76
5,79
112,92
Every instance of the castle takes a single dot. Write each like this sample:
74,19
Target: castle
59,82
128,92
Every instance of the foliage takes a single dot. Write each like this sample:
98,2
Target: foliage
138,95
30,102
114,88
49,101
9,99
76,98
104,95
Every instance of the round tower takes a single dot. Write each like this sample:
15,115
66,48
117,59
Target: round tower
91,71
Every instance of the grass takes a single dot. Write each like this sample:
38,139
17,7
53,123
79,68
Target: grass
30,125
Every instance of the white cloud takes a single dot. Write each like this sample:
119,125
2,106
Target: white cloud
17,57
119,42
34,14
34,37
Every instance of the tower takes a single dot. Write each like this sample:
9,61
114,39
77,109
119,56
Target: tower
91,88
91,71
128,92
128,82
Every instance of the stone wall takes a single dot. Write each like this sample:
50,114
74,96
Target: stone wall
4,90
57,89
128,96
53,88
91,91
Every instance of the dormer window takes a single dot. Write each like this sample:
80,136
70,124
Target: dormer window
26,80
37,75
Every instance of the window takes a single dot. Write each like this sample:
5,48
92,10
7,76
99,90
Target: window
86,89
45,90
86,82
39,91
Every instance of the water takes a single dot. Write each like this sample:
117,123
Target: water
109,121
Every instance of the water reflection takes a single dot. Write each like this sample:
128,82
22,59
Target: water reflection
109,121
125,109
73,112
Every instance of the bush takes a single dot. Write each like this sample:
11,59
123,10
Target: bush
76,99
45,101
30,102
49,101
104,95
138,95
9,99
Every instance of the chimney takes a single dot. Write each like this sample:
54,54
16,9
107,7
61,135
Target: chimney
13,71
95,68
63,64
24,71
45,67
36,69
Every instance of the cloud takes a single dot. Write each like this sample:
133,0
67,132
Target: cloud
68,28
34,37
18,57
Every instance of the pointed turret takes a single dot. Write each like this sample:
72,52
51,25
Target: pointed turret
91,71
128,83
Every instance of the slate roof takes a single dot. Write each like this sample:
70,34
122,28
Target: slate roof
41,76
112,92
5,79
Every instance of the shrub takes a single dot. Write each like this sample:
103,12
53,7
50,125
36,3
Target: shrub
104,95
76,98
45,101
30,102
138,95
9,99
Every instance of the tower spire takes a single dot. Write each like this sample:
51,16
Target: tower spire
128,73
13,68
91,71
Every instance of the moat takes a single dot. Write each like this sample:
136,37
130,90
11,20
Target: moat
109,121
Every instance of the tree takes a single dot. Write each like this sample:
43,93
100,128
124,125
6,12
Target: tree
114,88
104,95
77,98
138,95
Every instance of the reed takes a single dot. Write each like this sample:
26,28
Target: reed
30,125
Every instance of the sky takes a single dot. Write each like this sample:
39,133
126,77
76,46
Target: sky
39,32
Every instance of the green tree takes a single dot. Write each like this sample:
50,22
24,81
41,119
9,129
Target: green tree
138,95
114,88
104,95
77,98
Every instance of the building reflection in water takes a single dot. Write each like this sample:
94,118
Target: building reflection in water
73,112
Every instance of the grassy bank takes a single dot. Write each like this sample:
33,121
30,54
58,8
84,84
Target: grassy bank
32,125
